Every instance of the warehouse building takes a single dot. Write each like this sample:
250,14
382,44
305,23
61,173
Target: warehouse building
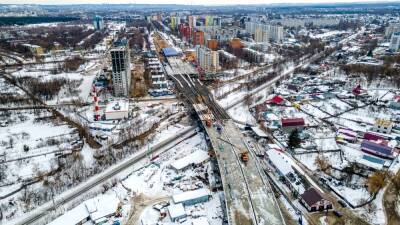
192,197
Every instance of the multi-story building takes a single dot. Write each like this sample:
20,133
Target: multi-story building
212,44
275,33
121,68
207,59
198,38
260,35
391,29
98,23
395,42
192,21
302,22
272,32
175,21
218,33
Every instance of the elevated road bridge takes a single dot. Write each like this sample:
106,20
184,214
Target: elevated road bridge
248,199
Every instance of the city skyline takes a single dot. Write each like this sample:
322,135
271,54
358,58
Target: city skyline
191,2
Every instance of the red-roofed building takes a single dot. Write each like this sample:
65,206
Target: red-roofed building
277,100
292,123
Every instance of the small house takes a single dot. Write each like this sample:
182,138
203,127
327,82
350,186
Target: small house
313,201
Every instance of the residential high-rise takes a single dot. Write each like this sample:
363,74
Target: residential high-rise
276,33
198,38
98,23
192,21
212,44
260,35
395,42
207,59
273,32
175,21
392,28
121,68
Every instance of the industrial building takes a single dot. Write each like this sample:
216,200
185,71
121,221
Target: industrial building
192,197
121,68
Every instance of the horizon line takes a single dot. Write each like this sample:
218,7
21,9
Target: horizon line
229,4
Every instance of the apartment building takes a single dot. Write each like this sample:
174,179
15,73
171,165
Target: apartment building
208,60
395,42
271,32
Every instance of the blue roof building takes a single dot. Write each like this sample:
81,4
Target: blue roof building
377,149
168,52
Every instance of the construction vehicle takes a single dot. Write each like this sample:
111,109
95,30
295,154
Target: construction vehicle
208,121
243,154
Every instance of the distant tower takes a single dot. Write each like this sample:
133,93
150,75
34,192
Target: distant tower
96,104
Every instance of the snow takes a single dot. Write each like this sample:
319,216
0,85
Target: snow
280,161
176,211
189,195
73,216
196,157
327,34
102,206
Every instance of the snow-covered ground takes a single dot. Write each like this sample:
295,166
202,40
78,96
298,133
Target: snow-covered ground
155,181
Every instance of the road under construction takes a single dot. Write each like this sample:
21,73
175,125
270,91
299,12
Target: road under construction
249,200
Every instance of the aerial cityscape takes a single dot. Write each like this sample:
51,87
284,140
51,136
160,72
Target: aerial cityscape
199,113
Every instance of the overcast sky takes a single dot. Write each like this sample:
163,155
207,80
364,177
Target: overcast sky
187,2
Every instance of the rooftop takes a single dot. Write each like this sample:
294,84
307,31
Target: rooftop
117,106
196,157
311,196
176,211
189,195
